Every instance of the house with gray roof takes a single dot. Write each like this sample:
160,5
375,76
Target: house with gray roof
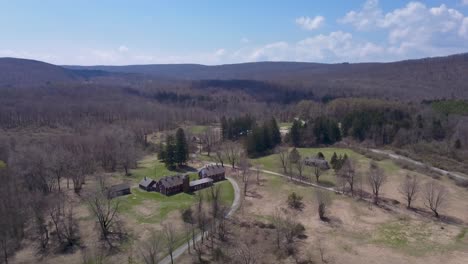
214,172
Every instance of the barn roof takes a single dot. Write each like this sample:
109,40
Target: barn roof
146,182
171,181
201,181
119,187
211,170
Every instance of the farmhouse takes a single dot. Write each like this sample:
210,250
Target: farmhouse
118,190
147,184
170,185
214,172
200,184
316,162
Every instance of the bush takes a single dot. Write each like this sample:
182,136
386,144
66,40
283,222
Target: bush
295,201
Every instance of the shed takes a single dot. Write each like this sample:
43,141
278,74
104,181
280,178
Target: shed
118,190
200,184
147,184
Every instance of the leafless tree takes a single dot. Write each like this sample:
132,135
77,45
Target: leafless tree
435,195
202,219
170,238
66,227
323,201
190,221
347,174
317,173
409,188
151,249
38,208
257,173
300,167
233,152
244,167
283,154
106,212
221,154
376,178
244,254
13,203
209,138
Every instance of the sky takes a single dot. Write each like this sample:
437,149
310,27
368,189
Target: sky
118,32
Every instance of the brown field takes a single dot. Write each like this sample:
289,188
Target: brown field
358,231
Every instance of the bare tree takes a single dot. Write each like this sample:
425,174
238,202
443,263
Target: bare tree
317,173
220,154
409,188
233,152
283,154
347,174
257,173
323,201
300,167
244,167
170,239
209,139
106,212
190,221
376,178
151,248
435,195
202,220
63,219
244,254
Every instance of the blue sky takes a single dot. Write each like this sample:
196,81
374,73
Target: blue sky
117,32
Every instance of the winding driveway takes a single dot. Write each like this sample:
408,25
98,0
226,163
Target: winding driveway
235,205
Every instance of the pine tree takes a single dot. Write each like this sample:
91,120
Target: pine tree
170,152
294,156
457,144
295,133
334,160
266,138
181,147
224,128
275,132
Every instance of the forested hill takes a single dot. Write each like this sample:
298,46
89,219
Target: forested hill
428,78
16,72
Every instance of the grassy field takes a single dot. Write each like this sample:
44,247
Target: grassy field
197,129
153,207
272,162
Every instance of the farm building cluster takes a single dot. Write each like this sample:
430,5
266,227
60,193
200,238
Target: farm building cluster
175,184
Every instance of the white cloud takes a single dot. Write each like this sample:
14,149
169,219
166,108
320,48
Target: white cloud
123,48
464,2
244,40
308,23
414,29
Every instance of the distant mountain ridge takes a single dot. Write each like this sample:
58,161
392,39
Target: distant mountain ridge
429,78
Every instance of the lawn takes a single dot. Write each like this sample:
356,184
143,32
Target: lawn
197,129
153,207
272,162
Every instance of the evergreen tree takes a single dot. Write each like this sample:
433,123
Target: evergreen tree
224,128
295,133
334,160
170,152
294,156
320,155
275,132
181,147
458,144
266,138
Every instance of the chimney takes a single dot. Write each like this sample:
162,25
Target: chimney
145,178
